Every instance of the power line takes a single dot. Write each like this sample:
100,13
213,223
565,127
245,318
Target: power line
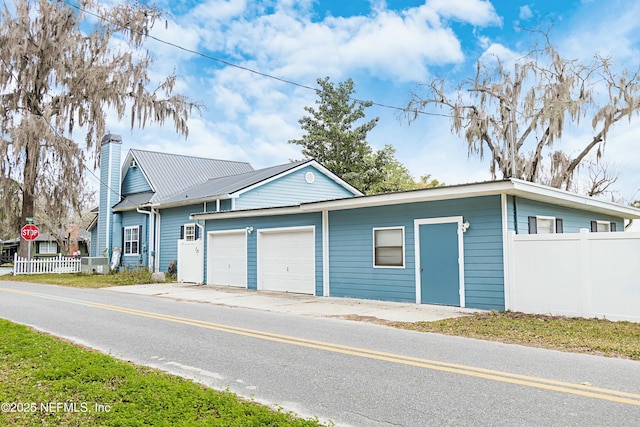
260,73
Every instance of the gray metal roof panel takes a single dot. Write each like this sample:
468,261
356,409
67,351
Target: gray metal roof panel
230,184
133,200
170,174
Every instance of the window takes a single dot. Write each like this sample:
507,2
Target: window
48,248
132,240
190,232
388,247
602,226
545,225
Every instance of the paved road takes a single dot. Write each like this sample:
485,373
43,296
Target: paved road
350,372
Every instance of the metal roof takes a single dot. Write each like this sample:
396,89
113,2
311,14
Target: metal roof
169,174
513,187
230,184
133,200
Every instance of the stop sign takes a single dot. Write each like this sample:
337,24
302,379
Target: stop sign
30,232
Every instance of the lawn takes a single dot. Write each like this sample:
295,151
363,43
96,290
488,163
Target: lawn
45,381
81,280
594,336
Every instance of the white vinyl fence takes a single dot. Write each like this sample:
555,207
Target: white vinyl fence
57,264
575,274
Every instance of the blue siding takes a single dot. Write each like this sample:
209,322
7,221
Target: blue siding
170,223
351,251
134,182
134,219
258,223
293,189
573,219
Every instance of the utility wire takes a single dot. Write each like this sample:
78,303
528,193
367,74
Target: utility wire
260,73
212,58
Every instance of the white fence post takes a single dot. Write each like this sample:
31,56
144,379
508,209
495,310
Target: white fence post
585,273
510,285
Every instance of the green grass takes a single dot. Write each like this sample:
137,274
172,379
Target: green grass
37,369
594,336
80,280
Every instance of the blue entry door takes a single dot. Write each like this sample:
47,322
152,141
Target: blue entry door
439,269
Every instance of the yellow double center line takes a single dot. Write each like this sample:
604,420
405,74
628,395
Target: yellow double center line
471,371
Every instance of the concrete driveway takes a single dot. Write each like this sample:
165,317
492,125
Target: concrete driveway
308,305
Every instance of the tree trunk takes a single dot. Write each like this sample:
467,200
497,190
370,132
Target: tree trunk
30,174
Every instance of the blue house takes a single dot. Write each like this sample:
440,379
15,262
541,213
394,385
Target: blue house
299,228
146,200
434,246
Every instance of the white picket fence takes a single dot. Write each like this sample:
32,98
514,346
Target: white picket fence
575,274
57,265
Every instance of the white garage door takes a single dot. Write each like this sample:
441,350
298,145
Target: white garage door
227,258
286,260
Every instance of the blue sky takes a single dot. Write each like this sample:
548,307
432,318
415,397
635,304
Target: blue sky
387,48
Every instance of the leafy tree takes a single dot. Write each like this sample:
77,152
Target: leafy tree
333,139
384,173
527,110
427,182
60,72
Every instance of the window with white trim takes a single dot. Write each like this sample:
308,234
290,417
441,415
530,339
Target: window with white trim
388,247
190,232
131,240
602,226
48,248
545,225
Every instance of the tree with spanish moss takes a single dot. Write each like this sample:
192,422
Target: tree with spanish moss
516,113
63,67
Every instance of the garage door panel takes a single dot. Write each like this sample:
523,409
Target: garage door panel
287,261
227,259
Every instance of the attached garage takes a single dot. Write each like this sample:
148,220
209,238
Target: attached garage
227,258
286,260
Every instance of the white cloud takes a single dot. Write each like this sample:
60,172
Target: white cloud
525,12
216,12
398,45
499,51
605,29
475,12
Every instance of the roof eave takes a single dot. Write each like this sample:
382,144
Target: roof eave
424,195
543,193
514,187
248,213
